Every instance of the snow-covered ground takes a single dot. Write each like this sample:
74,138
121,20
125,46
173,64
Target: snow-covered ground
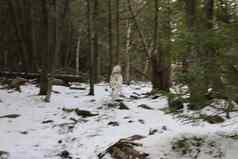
44,130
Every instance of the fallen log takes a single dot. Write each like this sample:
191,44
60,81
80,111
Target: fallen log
125,149
13,83
65,77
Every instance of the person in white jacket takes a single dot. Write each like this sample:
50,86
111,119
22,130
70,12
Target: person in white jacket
116,81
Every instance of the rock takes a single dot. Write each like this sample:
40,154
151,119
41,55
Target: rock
164,128
55,92
134,97
144,106
153,131
92,100
100,108
122,106
119,100
47,121
84,113
73,119
10,116
155,97
24,132
119,105
4,155
141,121
135,93
65,155
68,110
112,105
113,123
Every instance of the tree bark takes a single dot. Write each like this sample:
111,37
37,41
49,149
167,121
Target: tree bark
117,32
45,54
91,37
19,33
95,43
161,59
77,55
110,47
145,45
127,52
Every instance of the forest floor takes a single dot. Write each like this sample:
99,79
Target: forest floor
33,129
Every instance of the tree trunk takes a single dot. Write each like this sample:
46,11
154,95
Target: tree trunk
127,53
146,47
77,55
33,39
19,33
155,59
117,32
45,54
91,37
197,85
95,43
110,47
161,60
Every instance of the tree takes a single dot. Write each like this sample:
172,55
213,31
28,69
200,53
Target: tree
95,42
127,52
195,59
44,81
91,38
161,58
117,32
110,46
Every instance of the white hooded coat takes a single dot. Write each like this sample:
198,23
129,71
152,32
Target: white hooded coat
116,81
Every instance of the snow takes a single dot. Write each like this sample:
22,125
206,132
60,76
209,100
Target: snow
26,137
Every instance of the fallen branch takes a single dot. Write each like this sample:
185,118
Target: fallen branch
82,113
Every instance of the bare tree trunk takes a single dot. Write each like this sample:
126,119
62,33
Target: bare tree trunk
45,54
77,54
19,31
95,43
33,38
5,56
154,60
167,56
161,61
127,52
90,45
117,32
146,47
110,47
